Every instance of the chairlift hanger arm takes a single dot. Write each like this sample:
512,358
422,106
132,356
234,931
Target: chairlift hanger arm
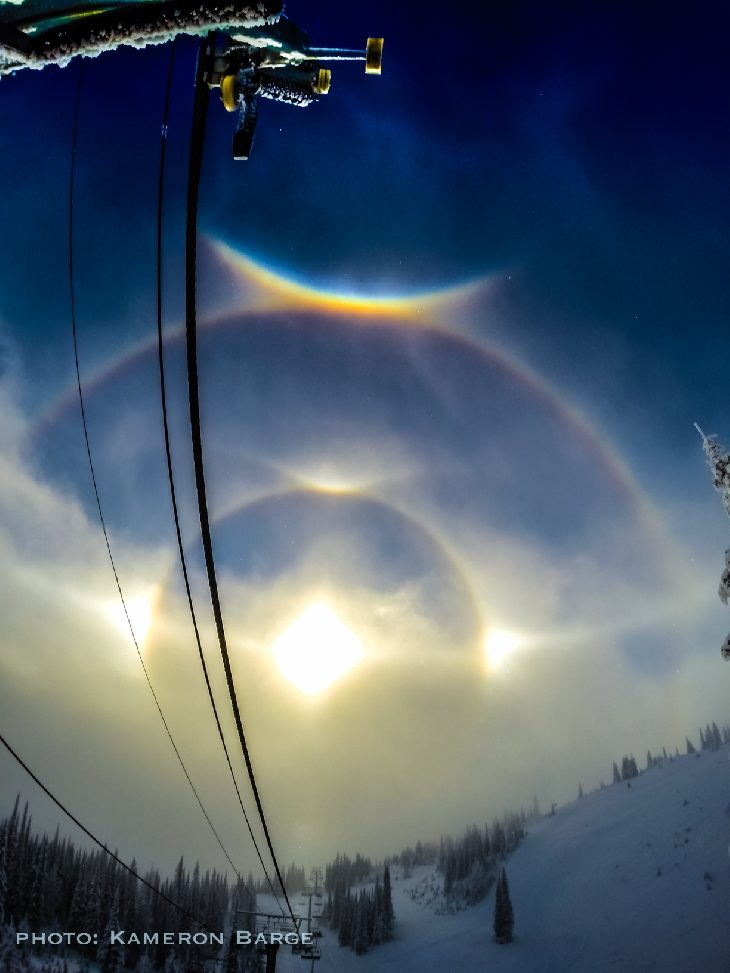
277,63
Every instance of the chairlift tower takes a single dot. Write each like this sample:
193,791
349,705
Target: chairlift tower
266,923
315,905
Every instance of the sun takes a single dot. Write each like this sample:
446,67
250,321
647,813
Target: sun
316,650
139,611
500,645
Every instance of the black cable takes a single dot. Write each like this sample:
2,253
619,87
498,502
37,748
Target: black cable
168,455
91,463
96,841
197,139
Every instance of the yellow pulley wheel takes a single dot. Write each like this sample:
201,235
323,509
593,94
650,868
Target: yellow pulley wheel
321,84
374,55
229,92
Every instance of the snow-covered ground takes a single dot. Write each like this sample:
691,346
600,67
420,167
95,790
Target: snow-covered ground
627,879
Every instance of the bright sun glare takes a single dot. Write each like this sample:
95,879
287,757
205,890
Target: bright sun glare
500,645
316,650
140,615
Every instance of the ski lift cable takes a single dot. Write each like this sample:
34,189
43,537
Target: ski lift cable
170,472
197,140
181,909
93,473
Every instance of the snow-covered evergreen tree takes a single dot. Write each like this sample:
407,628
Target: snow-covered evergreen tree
110,956
716,736
379,933
503,912
345,921
37,887
388,912
360,936
11,960
172,964
3,872
629,770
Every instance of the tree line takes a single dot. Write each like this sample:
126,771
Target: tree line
711,738
362,919
50,884
468,863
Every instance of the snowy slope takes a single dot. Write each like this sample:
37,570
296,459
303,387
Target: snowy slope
627,879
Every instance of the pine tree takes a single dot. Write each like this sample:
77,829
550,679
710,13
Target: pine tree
128,902
616,774
345,926
378,915
450,868
3,873
338,901
499,840
360,937
11,960
716,737
110,956
503,912
388,913
12,891
690,746
171,964
36,900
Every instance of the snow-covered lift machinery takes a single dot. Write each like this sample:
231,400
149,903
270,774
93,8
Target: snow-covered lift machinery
275,62
34,33
258,52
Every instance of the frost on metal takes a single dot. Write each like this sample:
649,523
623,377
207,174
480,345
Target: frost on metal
719,462
133,26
